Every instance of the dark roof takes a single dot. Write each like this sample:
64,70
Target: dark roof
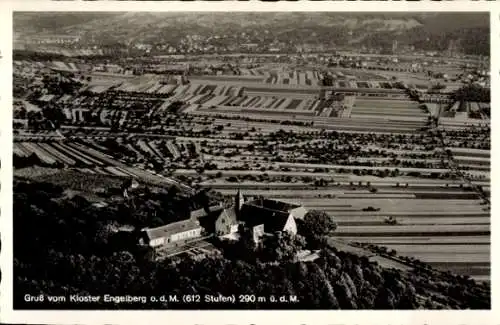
273,220
273,205
171,228
200,213
196,214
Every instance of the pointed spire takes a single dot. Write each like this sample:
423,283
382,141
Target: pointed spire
238,202
240,197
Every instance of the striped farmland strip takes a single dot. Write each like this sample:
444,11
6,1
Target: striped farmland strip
125,171
293,104
215,101
285,103
114,171
152,147
260,102
44,156
173,149
77,154
253,101
248,100
279,102
414,230
267,102
273,101
222,90
240,101
20,151
231,101
144,147
102,171
225,101
303,104
59,155
133,149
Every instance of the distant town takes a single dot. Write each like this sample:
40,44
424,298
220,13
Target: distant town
340,165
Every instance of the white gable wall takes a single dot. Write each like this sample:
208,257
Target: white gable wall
221,224
290,225
157,241
225,225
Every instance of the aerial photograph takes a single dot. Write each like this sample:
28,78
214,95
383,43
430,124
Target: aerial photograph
251,160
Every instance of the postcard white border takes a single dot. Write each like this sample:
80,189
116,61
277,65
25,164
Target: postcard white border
7,315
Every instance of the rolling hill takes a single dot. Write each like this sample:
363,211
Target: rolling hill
429,31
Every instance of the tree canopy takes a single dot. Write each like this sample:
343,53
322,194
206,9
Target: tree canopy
315,225
472,93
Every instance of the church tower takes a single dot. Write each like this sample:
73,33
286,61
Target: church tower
238,202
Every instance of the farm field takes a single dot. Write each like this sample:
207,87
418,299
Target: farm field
83,158
365,125
380,117
367,154
214,97
396,108
344,189
368,123
343,78
448,231
384,262
446,234
293,77
133,95
78,180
